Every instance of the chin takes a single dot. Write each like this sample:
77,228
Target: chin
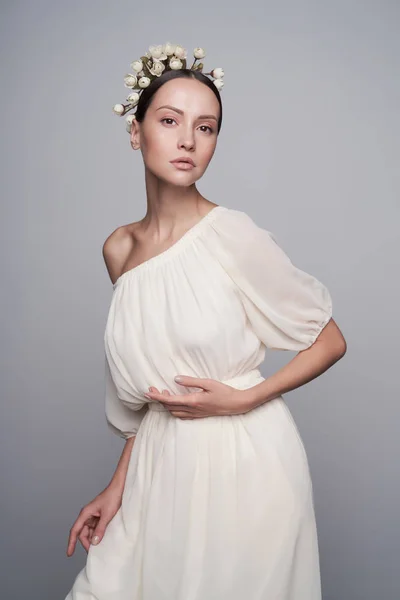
183,184
180,178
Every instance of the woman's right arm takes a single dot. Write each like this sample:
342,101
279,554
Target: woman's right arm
119,477
93,519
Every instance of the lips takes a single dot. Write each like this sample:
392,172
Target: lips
183,159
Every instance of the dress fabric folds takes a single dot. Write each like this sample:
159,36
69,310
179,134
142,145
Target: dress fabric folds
216,508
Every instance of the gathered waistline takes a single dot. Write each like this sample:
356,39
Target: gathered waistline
242,381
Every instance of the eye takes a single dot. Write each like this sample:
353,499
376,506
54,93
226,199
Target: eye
167,119
208,127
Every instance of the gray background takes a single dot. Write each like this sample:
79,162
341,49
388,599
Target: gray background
309,147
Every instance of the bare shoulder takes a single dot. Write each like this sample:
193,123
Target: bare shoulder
117,247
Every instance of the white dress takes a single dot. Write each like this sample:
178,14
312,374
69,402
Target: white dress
216,508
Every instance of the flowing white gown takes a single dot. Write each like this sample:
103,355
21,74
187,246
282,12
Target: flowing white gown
217,508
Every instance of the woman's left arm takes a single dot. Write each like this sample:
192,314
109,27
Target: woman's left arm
222,399
329,347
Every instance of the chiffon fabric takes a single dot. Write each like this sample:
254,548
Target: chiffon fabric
221,507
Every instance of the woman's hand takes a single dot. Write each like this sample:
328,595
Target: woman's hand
93,519
214,399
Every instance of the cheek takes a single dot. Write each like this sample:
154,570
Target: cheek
206,150
156,148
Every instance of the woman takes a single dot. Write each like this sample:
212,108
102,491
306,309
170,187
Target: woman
212,497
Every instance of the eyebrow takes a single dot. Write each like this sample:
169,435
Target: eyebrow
181,112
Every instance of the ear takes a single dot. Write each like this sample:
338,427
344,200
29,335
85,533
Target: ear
135,135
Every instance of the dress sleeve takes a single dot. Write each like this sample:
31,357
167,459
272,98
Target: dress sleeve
287,307
121,420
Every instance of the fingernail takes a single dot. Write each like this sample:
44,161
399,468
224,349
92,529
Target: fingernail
147,395
95,540
178,378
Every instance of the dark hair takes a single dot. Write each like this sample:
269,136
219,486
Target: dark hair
147,94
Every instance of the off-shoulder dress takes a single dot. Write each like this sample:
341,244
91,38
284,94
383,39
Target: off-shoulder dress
216,508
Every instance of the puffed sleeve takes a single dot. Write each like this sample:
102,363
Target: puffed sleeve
121,420
287,308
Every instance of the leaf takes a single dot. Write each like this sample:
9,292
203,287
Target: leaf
146,65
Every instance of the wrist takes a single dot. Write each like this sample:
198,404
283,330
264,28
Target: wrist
249,399
117,483
257,394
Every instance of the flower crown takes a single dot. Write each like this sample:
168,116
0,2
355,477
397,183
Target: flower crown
167,57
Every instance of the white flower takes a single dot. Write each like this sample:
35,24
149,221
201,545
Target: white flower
219,83
199,53
130,80
156,51
169,49
144,82
217,73
133,98
118,109
129,120
180,52
175,64
137,65
162,55
157,68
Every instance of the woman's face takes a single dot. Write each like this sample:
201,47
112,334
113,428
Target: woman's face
182,120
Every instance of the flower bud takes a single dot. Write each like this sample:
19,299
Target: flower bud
180,52
175,64
217,73
133,98
169,49
130,80
144,82
219,83
199,53
129,120
156,51
119,109
137,65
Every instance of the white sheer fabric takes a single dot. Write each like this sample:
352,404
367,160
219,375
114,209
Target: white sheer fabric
219,507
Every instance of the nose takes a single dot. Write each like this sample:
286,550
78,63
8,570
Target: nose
187,140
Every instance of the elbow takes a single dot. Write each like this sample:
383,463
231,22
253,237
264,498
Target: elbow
334,340
340,348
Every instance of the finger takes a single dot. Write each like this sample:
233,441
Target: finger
91,529
70,547
76,529
84,538
166,392
184,415
174,401
99,531
73,537
199,382
155,395
92,526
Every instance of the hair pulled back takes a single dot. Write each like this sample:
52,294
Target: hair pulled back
147,94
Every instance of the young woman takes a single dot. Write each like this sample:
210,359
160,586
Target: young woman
212,497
